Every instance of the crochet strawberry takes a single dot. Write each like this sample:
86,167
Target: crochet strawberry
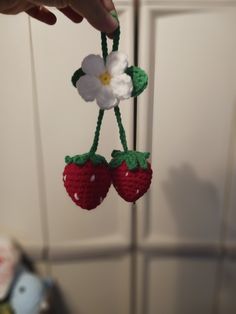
131,174
87,179
108,80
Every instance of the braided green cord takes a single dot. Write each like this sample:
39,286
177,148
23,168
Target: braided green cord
116,109
115,47
121,129
97,132
104,46
116,40
101,112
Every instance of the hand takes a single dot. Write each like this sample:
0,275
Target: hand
95,11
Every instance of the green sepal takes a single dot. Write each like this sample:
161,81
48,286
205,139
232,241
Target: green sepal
76,76
132,158
139,78
82,159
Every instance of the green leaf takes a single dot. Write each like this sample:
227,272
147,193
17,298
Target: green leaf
98,159
139,79
133,159
116,153
131,162
76,76
68,160
115,162
142,161
82,159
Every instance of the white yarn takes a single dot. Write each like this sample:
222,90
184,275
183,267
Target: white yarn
107,83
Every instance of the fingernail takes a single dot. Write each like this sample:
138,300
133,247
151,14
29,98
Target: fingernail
113,24
114,14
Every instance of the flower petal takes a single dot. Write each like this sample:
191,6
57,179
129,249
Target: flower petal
106,99
122,86
116,63
88,87
93,65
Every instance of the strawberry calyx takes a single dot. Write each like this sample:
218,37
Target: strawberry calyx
82,159
133,159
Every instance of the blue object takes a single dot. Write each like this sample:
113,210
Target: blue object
28,294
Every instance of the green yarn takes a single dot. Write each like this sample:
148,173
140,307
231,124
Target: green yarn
138,76
104,46
116,40
101,112
121,128
82,159
116,33
94,147
132,158
139,79
76,76
94,158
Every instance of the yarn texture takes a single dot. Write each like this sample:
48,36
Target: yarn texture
87,177
139,79
105,81
87,184
131,184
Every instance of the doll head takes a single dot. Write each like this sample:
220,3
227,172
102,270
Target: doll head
9,259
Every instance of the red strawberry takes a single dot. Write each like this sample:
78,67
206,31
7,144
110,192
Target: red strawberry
87,180
131,174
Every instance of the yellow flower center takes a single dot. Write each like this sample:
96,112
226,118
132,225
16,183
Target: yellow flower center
105,78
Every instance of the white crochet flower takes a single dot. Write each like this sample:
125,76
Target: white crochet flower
107,83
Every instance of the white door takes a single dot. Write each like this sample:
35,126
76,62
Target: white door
187,120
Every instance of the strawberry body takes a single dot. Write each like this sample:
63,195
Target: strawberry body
131,184
87,184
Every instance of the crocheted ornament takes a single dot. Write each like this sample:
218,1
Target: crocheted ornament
87,177
106,80
87,184
131,174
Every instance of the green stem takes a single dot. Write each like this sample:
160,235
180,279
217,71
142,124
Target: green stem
97,132
116,34
121,129
104,46
115,46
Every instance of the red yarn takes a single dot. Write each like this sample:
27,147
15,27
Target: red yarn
87,184
131,184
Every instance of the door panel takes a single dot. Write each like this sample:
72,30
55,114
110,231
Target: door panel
98,286
175,286
185,120
19,201
227,302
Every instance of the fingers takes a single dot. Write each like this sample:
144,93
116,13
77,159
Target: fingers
95,11
51,3
42,14
15,7
96,14
108,5
72,15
